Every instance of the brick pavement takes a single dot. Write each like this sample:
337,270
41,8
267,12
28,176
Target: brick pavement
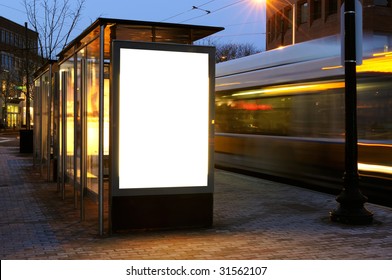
253,219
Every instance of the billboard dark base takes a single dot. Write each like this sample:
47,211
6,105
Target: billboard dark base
161,211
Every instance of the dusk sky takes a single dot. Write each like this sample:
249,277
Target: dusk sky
243,20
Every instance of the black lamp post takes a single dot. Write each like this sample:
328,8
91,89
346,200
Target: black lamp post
351,208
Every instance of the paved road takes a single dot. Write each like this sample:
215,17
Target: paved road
253,219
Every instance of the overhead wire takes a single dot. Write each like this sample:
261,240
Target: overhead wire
227,35
176,15
198,7
187,11
201,5
195,7
214,11
12,8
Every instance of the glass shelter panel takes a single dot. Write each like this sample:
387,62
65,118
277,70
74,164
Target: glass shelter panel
78,116
41,116
37,117
106,127
92,113
67,75
45,101
60,155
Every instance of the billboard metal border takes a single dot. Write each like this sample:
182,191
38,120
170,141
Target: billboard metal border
117,45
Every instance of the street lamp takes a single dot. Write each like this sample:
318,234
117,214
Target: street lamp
294,23
293,17
351,208
293,20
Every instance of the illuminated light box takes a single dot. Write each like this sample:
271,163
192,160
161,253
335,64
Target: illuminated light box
164,97
162,123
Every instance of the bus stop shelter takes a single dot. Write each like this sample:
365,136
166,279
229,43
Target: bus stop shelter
78,127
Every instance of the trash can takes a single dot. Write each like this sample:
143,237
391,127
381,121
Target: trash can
26,140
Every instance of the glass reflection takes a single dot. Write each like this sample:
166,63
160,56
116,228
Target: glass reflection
68,87
45,99
92,114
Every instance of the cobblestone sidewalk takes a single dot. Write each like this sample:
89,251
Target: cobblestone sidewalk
253,219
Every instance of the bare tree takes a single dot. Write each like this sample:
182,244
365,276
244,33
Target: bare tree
54,21
229,51
225,52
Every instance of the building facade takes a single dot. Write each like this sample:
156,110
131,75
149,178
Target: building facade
319,18
18,53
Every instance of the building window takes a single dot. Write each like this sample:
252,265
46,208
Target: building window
303,12
16,38
316,9
7,37
273,27
269,30
278,25
12,41
7,61
383,3
332,7
288,15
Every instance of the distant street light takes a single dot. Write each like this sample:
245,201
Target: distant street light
293,20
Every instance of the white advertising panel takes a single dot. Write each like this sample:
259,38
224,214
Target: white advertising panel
163,121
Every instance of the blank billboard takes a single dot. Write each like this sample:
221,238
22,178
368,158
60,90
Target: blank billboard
163,118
